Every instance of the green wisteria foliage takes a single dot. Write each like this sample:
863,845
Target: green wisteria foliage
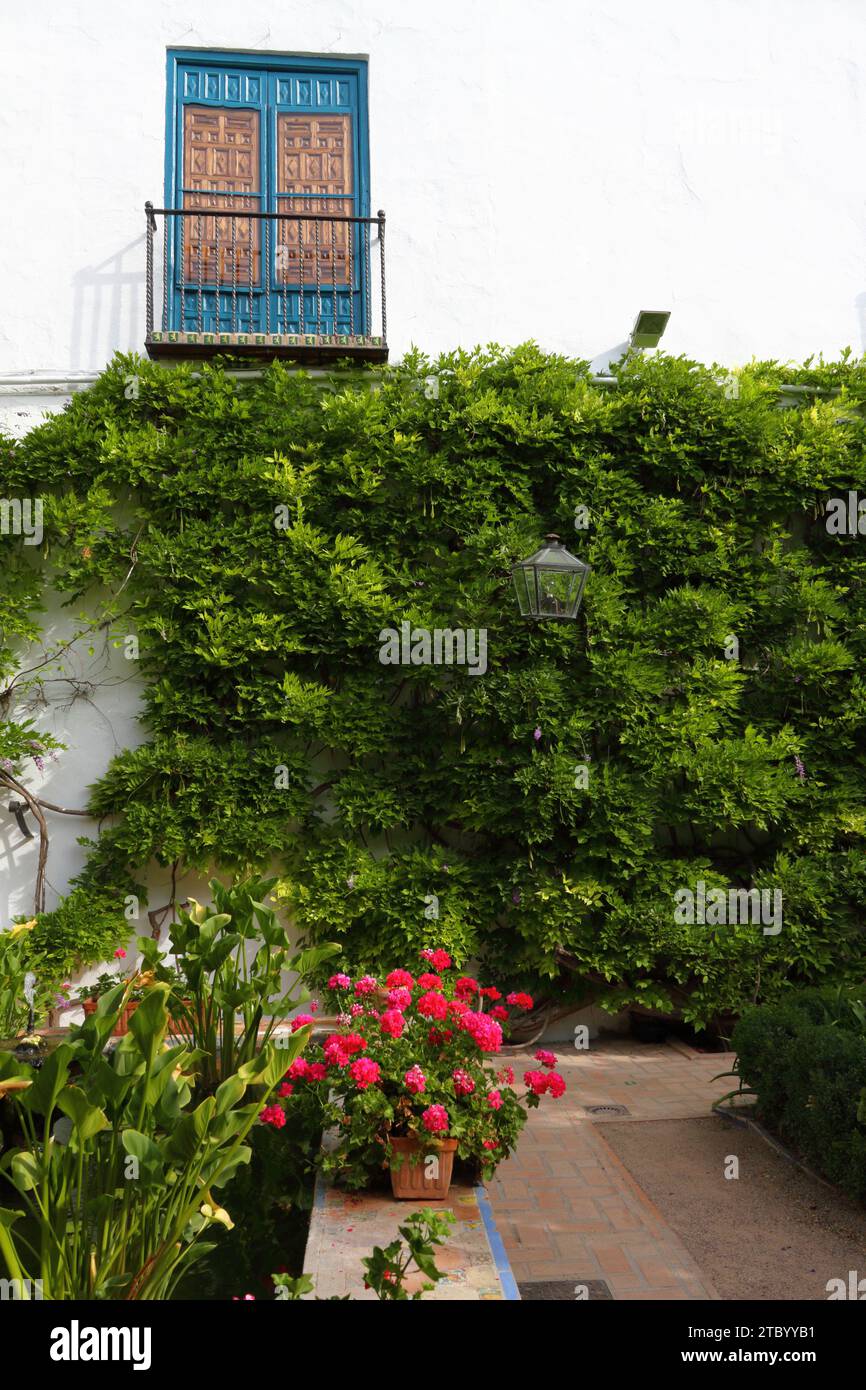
701,727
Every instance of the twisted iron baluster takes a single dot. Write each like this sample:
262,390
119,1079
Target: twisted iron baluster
318,281
216,232
234,269
381,216
301,264
267,275
165,274
250,254
148,287
351,270
284,241
200,318
182,324
334,274
367,319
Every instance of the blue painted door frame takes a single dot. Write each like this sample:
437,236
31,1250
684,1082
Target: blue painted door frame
271,85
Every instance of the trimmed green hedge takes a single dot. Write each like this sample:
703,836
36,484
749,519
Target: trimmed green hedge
806,1059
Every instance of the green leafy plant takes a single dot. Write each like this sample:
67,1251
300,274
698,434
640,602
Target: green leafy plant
258,536
117,1169
14,968
85,928
386,1270
231,961
136,986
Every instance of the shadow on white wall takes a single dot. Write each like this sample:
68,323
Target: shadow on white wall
108,308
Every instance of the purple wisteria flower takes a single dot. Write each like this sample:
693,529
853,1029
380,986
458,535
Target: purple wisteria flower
801,771
537,734
515,897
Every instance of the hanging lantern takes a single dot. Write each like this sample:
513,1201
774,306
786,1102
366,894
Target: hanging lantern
550,583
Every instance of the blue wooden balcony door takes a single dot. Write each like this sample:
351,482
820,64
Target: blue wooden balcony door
263,136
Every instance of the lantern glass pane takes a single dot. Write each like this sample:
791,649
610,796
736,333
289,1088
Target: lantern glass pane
524,587
556,593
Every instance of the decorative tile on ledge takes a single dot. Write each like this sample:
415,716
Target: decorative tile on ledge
301,346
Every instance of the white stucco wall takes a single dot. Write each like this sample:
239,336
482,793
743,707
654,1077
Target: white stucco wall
548,168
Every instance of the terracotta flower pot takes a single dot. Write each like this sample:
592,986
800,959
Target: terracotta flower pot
122,1025
181,1027
412,1175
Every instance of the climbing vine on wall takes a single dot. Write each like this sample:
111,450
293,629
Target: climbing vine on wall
703,721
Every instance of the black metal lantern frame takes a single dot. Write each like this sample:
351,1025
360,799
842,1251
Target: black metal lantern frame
550,583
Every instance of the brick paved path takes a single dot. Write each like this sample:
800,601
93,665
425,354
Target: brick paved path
565,1205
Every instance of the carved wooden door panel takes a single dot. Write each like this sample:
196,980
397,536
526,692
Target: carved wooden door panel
319,174
314,256
221,170
269,140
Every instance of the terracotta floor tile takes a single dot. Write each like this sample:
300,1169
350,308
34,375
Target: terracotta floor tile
589,1218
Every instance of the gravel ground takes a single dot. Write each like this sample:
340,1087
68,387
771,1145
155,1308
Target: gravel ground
773,1232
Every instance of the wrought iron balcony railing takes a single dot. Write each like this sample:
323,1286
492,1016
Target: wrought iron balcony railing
264,284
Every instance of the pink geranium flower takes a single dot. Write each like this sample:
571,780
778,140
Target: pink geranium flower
433,1005
465,987
415,1080
463,1083
439,959
392,1023
547,1059
273,1115
435,1119
429,981
484,1029
494,1100
340,1048
365,1072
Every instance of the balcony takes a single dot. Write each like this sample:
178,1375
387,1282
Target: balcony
226,280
